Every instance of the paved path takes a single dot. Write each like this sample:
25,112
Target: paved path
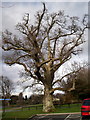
57,117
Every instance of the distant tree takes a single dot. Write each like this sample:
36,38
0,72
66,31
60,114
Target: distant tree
26,97
6,86
60,97
36,99
81,84
14,99
44,47
20,99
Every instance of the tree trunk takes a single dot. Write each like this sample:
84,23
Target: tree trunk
48,100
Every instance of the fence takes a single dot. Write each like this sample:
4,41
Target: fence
38,107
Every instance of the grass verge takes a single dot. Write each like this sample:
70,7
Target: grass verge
25,113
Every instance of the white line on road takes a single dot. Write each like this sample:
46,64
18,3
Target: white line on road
42,116
75,116
67,117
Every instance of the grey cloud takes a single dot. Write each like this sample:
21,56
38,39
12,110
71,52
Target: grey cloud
11,16
12,72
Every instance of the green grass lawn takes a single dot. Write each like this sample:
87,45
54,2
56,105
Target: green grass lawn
26,113
67,109
20,114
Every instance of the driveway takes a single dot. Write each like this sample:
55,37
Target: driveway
75,116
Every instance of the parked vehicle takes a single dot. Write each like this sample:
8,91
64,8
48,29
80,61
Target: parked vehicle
85,108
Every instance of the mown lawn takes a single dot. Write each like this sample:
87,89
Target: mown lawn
20,114
25,113
69,109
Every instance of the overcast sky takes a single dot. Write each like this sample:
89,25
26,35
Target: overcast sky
44,0
12,13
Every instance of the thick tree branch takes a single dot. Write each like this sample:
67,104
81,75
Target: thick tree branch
59,80
68,74
63,89
57,88
40,19
73,86
25,67
64,35
30,86
14,48
23,56
54,48
47,61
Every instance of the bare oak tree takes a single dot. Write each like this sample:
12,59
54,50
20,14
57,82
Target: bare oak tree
44,47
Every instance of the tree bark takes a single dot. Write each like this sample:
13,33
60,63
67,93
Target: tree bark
48,100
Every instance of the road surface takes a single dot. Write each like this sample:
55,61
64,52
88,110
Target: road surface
57,117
